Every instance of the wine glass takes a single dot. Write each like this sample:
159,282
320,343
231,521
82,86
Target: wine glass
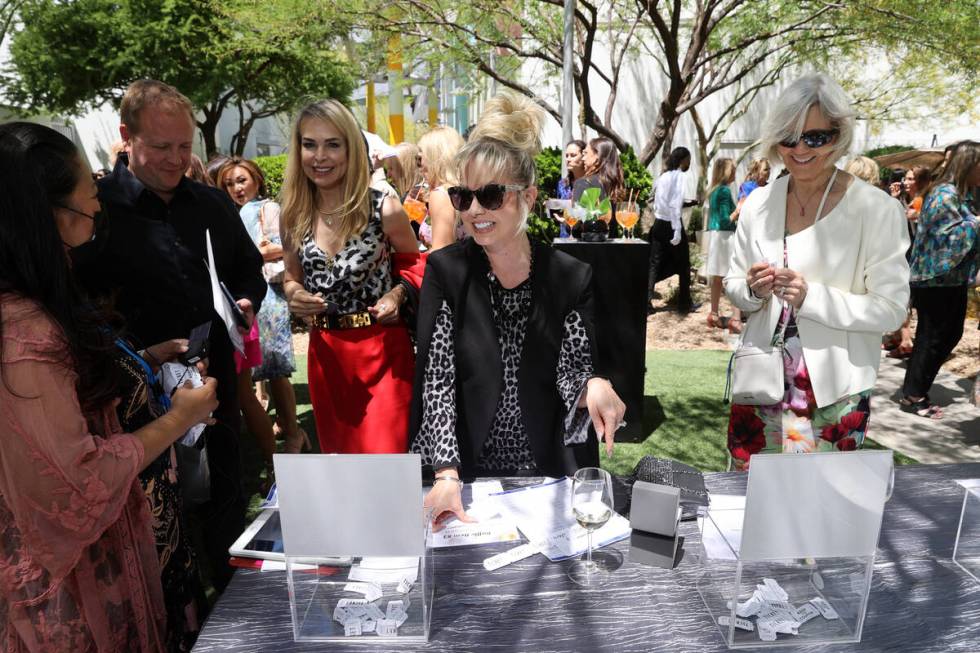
592,505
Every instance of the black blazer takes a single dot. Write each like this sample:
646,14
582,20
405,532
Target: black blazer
559,284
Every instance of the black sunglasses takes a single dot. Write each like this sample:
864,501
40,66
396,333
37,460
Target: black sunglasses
491,196
814,138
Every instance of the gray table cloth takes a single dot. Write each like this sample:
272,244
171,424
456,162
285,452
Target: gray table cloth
920,601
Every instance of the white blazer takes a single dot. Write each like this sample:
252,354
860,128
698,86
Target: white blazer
857,278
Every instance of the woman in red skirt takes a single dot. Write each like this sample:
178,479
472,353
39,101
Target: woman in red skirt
348,249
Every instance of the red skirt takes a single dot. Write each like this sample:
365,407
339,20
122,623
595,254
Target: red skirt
361,388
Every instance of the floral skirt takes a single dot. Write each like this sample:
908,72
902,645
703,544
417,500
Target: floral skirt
796,424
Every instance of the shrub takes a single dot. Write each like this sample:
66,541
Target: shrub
274,168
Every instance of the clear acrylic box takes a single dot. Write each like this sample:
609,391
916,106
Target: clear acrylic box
966,552
844,582
317,586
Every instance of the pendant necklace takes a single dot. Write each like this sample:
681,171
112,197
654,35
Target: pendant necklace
810,197
328,216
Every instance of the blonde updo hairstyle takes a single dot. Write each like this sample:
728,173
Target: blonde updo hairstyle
439,147
299,194
503,145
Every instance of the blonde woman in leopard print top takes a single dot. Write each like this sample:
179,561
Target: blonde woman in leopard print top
506,380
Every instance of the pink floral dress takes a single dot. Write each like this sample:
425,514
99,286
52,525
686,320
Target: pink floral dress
78,565
796,424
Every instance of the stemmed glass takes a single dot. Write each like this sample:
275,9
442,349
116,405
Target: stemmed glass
627,216
592,505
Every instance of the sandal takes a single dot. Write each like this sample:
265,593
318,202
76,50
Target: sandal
734,325
714,320
922,408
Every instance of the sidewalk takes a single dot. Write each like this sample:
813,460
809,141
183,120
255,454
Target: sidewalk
952,439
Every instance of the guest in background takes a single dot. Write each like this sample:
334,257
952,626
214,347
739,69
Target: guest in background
438,148
402,169
212,168
721,227
758,176
243,180
865,169
575,165
196,170
945,258
819,268
506,381
81,420
669,252
337,234
916,182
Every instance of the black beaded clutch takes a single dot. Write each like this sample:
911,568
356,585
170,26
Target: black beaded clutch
671,473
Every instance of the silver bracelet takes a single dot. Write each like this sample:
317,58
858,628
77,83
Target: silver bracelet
459,481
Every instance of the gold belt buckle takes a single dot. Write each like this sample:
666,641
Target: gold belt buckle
355,320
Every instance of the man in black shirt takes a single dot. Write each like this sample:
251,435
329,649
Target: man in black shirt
154,268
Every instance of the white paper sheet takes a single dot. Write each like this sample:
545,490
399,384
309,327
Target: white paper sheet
724,533
220,303
490,526
544,514
385,571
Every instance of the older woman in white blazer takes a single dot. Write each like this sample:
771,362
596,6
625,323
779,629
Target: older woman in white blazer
822,254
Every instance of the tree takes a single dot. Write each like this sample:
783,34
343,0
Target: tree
258,58
700,47
8,14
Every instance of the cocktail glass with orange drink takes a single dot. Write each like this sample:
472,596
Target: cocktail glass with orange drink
415,209
627,215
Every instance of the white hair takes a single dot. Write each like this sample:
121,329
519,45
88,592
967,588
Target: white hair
787,116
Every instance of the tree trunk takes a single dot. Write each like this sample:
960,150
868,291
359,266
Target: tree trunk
702,152
209,130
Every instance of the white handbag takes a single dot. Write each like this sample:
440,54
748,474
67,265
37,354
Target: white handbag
756,375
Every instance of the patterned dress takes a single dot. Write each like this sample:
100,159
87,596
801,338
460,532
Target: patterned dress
360,379
261,219
78,569
796,424
507,449
182,591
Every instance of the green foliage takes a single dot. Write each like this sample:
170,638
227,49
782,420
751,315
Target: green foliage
274,170
696,223
636,177
542,229
589,206
265,57
548,166
887,149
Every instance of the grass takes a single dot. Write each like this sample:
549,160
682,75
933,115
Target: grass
683,414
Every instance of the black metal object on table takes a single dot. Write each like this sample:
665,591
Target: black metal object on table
920,601
619,280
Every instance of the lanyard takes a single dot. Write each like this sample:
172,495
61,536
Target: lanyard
152,384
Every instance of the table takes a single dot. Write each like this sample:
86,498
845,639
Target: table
619,278
920,601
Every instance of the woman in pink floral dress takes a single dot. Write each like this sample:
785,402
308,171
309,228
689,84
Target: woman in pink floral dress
78,565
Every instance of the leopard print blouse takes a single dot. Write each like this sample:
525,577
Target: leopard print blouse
359,274
507,448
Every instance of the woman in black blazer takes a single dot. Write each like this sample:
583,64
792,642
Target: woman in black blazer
505,378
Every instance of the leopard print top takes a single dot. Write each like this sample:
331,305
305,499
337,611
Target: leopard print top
359,274
507,448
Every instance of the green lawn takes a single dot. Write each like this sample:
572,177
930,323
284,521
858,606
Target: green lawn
683,413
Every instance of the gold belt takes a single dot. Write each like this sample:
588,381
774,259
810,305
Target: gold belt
344,321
